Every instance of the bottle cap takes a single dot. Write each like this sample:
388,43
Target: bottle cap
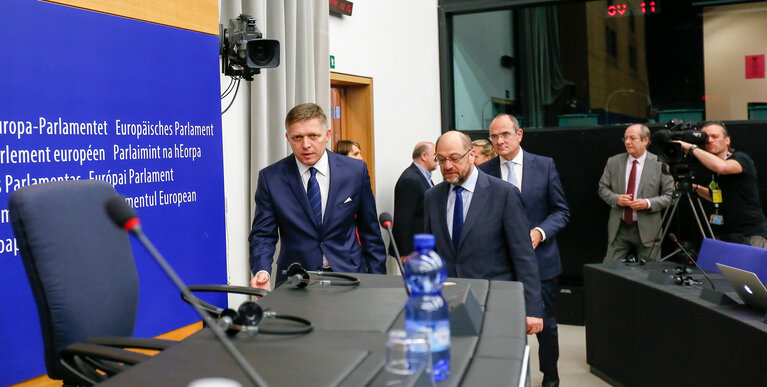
423,241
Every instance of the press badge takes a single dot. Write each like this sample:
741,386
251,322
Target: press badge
716,193
716,219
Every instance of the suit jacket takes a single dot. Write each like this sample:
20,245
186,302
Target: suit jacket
653,185
495,241
408,207
545,206
282,206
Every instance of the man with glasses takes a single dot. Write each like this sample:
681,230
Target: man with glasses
732,186
480,226
547,211
637,192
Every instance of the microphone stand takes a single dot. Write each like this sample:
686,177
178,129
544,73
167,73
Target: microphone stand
254,377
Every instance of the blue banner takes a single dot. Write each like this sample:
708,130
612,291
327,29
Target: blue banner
85,95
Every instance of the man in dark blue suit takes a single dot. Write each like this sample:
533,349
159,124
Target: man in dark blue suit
480,225
408,196
547,211
314,201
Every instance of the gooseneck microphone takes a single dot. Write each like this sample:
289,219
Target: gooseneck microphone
386,222
125,217
672,237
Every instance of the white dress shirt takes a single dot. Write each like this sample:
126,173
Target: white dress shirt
322,176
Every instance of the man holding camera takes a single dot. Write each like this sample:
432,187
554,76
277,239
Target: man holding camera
732,188
637,192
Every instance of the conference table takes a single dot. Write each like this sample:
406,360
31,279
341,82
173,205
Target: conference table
642,329
348,344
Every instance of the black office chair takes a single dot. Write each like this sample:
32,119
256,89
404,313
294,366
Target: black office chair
83,277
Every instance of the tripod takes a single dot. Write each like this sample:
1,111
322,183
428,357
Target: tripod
698,213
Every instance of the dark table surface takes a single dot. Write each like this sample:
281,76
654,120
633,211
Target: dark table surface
348,344
643,329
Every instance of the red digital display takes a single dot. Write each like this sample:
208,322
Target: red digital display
633,8
342,7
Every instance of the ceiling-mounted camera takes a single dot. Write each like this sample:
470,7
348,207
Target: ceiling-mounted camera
243,51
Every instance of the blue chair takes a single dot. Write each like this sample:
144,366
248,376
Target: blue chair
83,278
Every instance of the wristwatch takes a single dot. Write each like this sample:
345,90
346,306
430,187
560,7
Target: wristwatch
692,148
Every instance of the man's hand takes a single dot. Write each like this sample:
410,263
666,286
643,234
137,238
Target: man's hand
260,280
685,145
624,200
534,324
536,237
638,205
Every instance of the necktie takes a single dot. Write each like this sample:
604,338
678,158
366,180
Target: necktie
628,213
314,195
457,216
512,178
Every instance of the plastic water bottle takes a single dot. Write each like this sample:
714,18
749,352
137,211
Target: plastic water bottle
426,309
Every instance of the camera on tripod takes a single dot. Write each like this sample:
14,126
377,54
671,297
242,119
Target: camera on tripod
677,163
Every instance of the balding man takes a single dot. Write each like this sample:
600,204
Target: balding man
637,192
480,225
547,211
408,196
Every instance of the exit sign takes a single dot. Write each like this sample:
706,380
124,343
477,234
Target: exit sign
632,8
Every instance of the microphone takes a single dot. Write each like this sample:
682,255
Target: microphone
672,237
386,222
124,216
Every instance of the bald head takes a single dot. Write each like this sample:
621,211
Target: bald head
455,135
423,155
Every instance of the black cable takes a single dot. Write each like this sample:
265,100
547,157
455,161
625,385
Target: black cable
228,88
233,98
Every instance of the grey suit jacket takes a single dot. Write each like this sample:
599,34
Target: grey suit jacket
653,185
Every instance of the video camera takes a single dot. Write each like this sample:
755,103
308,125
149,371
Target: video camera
243,51
669,152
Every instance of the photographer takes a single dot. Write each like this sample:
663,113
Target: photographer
732,188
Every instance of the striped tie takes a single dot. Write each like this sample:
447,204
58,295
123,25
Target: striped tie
314,195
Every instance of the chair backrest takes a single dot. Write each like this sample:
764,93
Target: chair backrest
79,264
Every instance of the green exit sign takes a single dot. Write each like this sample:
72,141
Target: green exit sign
332,62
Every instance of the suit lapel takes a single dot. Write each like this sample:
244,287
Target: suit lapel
495,167
336,180
647,170
478,200
622,174
296,185
442,214
528,166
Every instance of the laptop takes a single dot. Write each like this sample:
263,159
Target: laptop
750,289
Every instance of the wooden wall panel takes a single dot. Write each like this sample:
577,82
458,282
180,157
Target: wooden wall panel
195,15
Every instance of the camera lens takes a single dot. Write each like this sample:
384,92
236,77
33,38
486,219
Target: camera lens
261,53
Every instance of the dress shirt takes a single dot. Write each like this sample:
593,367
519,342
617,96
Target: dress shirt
466,194
425,173
323,177
517,160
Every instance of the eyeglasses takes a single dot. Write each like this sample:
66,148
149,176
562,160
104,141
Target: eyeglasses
631,138
453,159
504,135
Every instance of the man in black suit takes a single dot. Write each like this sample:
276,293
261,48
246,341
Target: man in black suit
408,196
480,225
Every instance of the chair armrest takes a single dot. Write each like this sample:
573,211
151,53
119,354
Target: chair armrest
104,352
132,342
